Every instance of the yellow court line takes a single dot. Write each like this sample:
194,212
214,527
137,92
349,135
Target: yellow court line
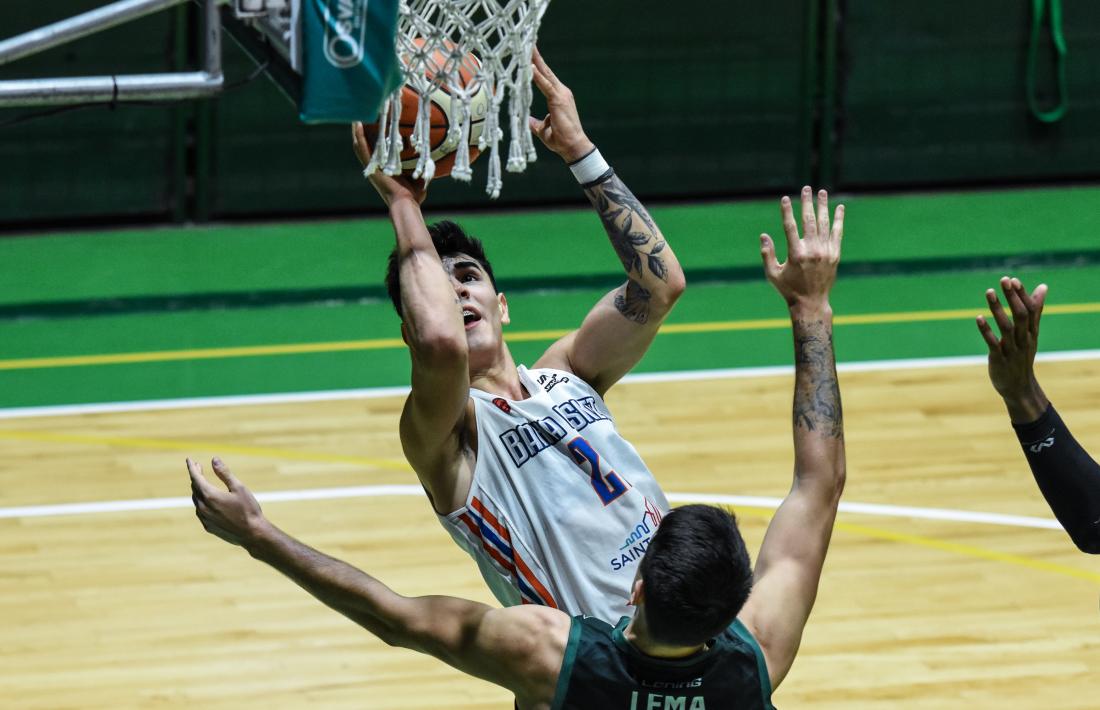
194,446
945,546
522,336
201,354
969,551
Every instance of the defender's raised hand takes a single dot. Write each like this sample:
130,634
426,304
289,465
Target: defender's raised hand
1012,356
810,269
561,130
232,515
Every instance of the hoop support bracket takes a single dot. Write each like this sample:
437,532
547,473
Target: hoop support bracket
124,87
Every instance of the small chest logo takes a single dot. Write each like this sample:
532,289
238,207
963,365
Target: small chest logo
549,382
502,405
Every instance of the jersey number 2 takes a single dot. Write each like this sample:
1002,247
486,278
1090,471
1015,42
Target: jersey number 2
608,487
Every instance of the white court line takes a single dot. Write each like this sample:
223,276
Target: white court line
893,511
373,392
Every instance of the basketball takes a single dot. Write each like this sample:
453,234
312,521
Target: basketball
443,113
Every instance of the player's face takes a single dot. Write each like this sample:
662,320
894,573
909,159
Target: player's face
484,311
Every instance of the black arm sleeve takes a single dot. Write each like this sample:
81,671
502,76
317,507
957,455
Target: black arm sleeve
1067,476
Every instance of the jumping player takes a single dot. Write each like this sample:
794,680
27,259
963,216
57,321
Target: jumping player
525,467
696,639
1067,476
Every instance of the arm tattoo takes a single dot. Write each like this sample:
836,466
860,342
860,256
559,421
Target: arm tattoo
632,231
817,392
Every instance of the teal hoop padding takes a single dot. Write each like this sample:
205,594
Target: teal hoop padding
1038,10
349,64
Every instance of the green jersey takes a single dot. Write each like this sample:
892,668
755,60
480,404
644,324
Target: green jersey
603,671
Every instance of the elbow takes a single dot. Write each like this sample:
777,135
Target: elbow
839,480
676,284
833,487
665,297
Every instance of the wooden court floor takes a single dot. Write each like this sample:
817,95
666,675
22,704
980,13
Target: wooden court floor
142,609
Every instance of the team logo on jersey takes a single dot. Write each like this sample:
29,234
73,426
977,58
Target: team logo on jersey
502,405
549,382
671,684
638,540
526,441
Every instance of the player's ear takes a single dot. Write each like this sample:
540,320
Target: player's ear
502,303
637,592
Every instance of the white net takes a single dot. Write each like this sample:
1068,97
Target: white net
434,41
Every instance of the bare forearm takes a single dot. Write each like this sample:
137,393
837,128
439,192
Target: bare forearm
427,297
338,585
817,412
655,276
409,228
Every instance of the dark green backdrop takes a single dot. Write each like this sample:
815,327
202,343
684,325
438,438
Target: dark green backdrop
688,99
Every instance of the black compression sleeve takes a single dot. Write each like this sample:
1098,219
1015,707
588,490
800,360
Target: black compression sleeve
1067,476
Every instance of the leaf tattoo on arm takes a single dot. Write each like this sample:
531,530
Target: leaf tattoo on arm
630,229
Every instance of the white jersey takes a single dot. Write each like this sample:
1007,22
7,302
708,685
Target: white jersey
561,507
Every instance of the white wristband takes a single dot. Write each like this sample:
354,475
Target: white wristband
589,167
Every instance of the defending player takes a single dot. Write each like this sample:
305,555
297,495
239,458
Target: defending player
693,641
525,467
1067,476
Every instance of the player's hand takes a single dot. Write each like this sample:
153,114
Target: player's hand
1012,356
561,130
391,188
232,515
805,278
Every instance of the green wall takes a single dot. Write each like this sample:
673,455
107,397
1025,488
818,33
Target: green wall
934,92
688,101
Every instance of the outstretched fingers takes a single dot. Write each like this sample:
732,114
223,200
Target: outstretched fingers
790,227
837,234
809,220
823,214
360,143
1020,316
544,79
223,472
767,254
988,335
199,485
1004,323
1032,302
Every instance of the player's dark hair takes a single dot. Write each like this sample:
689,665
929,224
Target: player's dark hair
449,239
696,575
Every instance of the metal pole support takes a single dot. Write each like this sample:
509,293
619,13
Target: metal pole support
126,87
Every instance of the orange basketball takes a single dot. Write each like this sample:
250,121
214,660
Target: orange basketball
442,114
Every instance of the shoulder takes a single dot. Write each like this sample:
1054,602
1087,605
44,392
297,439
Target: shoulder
739,640
535,640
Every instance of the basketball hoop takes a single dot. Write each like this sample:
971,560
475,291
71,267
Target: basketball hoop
501,34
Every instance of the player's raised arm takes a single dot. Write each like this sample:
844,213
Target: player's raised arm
791,557
619,329
1067,476
432,326
519,648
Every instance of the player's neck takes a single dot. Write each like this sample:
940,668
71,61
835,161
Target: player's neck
498,376
638,636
